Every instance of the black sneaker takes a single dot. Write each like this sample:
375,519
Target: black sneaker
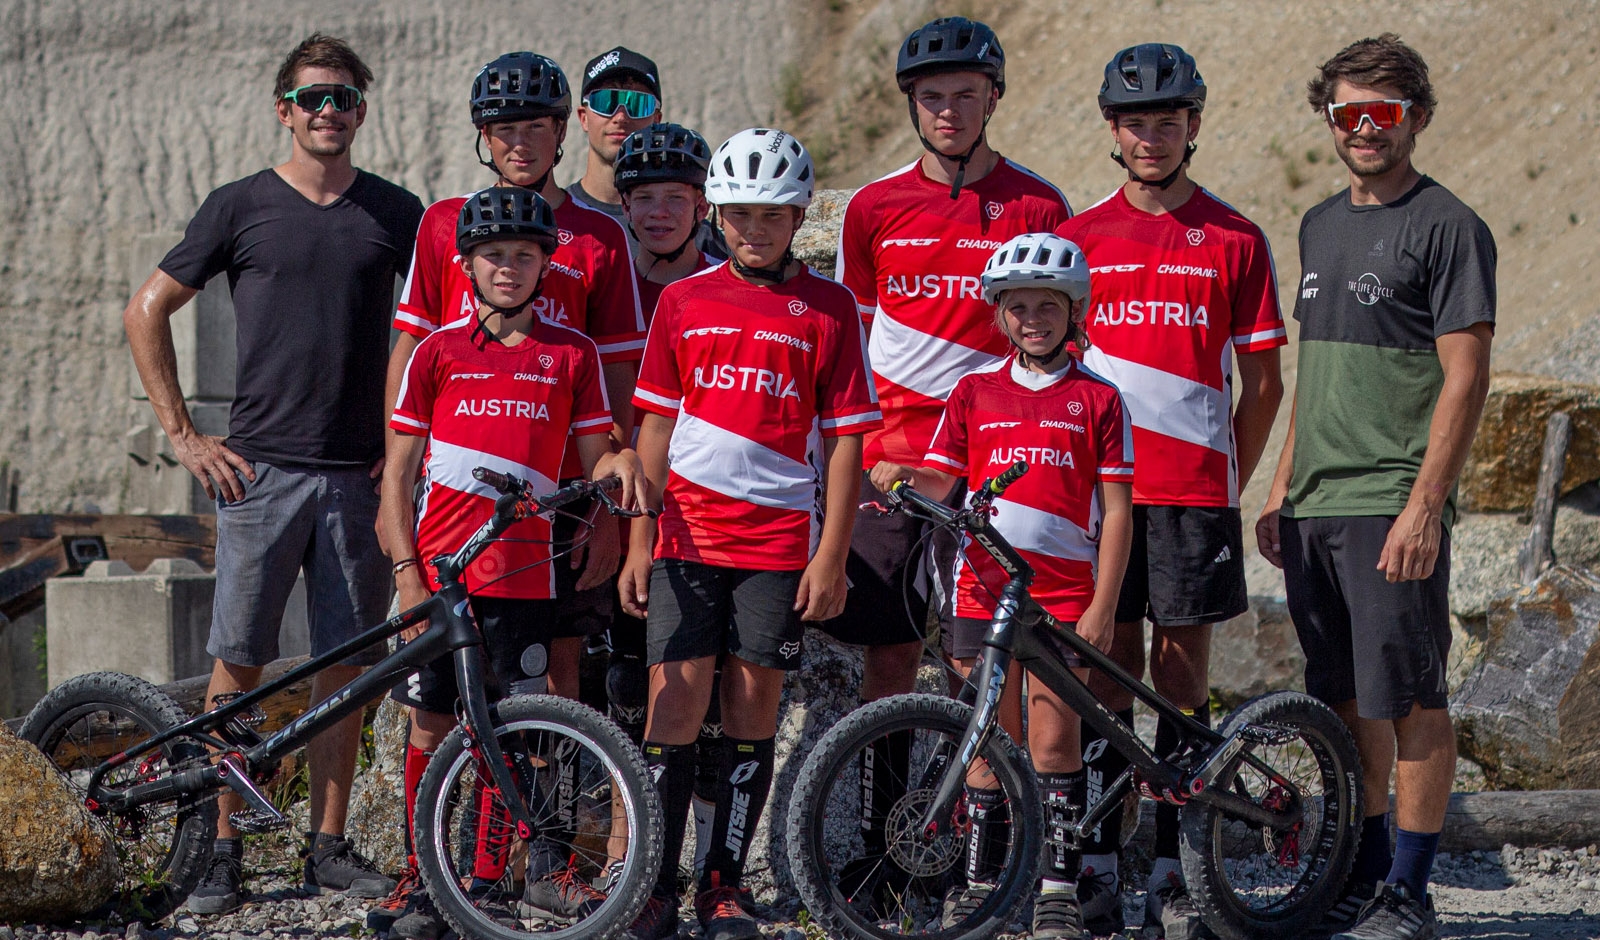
1342,916
1100,900
658,920
1393,914
391,908
335,866
961,901
219,892
1056,916
561,895
1169,913
722,917
420,920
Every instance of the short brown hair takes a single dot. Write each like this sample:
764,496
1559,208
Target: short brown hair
322,52
1382,61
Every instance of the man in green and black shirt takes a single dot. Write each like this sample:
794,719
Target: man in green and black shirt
1396,312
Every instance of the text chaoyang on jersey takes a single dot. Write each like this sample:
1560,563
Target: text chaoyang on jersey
1174,296
912,257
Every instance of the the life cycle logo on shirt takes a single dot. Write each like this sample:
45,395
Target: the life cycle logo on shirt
797,307
1075,408
993,209
1368,289
563,236
546,360
1196,236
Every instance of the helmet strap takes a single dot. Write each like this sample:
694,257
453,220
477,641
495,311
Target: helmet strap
538,184
1165,181
772,275
505,312
961,162
667,256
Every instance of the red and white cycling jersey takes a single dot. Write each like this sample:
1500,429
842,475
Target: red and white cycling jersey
511,409
1073,434
650,291
912,257
753,375
1174,295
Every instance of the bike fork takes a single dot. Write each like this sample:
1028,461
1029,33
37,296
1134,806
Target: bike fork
991,684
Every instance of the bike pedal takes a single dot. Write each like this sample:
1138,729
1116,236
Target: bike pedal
252,717
251,822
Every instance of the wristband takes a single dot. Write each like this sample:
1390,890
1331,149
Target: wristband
403,564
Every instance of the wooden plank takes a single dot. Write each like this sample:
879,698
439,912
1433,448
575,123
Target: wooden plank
137,540
1538,551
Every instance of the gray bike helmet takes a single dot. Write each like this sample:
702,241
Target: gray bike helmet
662,153
520,86
950,44
1152,76
506,212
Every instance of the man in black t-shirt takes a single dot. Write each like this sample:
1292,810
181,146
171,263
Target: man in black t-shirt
311,248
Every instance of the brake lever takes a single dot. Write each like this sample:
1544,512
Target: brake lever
614,509
880,508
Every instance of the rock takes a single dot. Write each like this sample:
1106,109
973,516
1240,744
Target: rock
817,243
56,861
376,821
1503,466
1258,650
1529,713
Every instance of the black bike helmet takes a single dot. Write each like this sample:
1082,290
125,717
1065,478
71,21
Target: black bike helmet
950,44
520,86
1152,76
506,212
662,153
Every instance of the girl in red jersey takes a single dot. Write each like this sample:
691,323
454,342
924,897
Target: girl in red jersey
503,390
1069,516
755,379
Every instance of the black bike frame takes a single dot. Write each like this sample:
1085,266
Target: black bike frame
452,629
1023,631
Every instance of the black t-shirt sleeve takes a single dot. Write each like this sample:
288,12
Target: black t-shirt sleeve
1461,291
207,246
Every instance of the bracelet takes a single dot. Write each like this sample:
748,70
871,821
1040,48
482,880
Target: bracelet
403,564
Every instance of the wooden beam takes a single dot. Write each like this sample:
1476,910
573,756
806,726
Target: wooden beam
137,540
1538,551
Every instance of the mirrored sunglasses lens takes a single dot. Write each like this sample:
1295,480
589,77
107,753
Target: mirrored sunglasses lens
314,98
638,104
1382,114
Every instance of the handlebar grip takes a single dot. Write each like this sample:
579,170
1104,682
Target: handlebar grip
999,484
505,483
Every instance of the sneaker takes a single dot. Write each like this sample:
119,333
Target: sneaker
1056,916
658,920
223,885
960,902
722,917
382,917
337,867
1342,916
1100,900
1393,914
609,879
420,920
1169,913
562,895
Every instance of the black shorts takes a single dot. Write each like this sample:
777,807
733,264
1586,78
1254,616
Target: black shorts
509,626
699,610
964,639
1383,645
1186,567
581,613
891,576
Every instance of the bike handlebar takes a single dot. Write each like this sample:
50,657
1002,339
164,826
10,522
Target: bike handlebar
508,485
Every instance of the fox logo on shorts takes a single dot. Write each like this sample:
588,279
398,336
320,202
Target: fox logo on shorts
790,649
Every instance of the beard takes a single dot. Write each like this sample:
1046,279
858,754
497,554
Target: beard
1391,156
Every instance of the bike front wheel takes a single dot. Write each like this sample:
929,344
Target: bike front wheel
1251,882
589,865
860,860
164,846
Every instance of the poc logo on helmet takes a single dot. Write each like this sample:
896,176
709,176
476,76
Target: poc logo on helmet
797,307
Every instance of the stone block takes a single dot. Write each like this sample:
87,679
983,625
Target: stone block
152,624
22,680
817,242
202,329
157,482
1502,470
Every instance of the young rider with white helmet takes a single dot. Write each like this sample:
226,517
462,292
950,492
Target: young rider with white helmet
1069,516
1183,282
755,378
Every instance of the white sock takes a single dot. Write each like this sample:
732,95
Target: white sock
1158,872
1101,864
704,812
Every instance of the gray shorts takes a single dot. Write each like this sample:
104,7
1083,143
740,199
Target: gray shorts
293,519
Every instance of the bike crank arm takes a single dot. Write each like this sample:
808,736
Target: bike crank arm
1254,813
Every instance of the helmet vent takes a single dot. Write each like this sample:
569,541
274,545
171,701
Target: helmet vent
805,173
783,166
754,163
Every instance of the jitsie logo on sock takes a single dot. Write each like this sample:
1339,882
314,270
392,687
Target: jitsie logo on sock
626,715
1096,748
738,816
1094,777
743,772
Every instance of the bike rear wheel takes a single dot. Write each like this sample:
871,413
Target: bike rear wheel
895,884
1251,883
163,847
583,782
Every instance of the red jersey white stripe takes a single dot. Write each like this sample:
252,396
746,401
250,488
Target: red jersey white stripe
912,256
1073,433
754,376
1174,295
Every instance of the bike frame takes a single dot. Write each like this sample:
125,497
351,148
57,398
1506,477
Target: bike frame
451,630
1026,633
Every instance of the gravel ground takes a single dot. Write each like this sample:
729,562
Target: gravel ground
1515,894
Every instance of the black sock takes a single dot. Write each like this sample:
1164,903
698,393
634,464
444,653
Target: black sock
746,780
627,693
1168,740
1413,860
884,765
990,836
671,766
1373,856
1063,807
1102,764
708,746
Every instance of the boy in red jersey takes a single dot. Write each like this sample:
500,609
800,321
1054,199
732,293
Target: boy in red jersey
503,390
754,376
1182,283
1070,517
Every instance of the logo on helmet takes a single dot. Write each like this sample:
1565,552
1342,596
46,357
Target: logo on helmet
777,141
611,58
993,210
1196,236
797,307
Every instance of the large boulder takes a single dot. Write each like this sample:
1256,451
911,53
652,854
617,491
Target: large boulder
56,862
1502,470
817,242
1257,651
1529,712
377,817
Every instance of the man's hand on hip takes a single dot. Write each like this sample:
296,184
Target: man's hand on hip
214,465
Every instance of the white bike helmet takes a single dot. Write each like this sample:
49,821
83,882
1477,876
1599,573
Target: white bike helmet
1038,259
761,166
